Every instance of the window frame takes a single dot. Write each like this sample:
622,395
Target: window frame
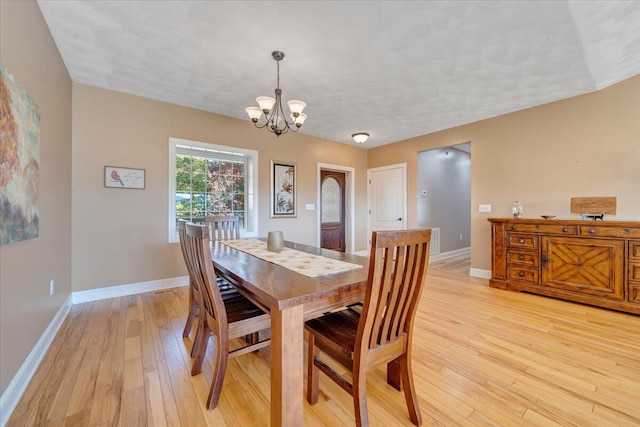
250,227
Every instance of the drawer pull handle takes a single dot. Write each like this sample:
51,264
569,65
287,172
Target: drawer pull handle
521,274
520,240
565,229
626,230
513,227
521,257
592,231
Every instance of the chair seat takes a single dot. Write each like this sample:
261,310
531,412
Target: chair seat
226,289
239,308
335,331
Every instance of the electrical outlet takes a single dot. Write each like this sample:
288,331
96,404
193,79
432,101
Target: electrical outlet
461,237
484,208
52,287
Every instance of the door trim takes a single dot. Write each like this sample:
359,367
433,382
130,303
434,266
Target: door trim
349,203
402,166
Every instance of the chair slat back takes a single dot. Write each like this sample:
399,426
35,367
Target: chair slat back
223,227
199,250
187,253
397,271
182,233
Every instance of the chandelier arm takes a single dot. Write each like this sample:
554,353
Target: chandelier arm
259,126
284,117
284,130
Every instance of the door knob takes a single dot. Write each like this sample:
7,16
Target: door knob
399,219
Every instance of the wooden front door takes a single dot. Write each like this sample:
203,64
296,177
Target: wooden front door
332,210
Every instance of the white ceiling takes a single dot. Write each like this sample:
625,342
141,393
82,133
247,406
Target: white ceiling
395,69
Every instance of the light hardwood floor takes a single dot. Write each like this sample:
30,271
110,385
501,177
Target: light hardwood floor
482,357
460,264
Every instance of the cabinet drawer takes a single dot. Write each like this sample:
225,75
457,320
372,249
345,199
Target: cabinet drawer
634,250
634,270
604,231
522,274
529,241
530,258
634,292
571,230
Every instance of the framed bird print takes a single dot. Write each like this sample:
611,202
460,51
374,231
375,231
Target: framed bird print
118,177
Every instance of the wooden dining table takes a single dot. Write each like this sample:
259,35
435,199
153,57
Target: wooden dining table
290,298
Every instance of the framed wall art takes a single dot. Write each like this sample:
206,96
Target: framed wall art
118,177
19,162
283,189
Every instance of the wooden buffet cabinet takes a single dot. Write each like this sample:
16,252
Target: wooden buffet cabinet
591,262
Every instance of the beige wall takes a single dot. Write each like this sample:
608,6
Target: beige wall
120,236
542,156
26,309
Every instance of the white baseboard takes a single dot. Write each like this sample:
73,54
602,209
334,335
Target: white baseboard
20,381
474,272
450,254
478,272
130,289
12,394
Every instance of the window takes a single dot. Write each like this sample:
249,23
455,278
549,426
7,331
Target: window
207,179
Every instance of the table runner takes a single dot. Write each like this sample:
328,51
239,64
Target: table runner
304,263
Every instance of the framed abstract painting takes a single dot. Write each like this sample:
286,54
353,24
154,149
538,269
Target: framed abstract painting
20,166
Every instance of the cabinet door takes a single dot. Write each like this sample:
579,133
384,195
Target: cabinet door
591,267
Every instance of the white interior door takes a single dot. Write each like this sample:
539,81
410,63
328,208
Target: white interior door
387,194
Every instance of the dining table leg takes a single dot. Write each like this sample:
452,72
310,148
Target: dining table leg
287,353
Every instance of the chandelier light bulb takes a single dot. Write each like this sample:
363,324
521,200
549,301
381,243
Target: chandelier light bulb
266,103
254,113
300,119
296,107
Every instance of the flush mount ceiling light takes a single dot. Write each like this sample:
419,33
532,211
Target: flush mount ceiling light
360,137
271,109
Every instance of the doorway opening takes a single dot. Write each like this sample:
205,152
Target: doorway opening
444,198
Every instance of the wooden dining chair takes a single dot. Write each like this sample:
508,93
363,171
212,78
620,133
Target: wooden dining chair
382,333
223,227
226,289
224,319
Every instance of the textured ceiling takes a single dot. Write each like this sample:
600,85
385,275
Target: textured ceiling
395,69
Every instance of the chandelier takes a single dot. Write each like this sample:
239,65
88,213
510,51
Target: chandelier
271,109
